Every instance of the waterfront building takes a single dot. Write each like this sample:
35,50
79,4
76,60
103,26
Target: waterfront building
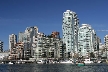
27,39
106,41
19,51
1,46
70,28
101,49
106,44
86,40
12,48
4,55
46,47
97,41
37,45
12,42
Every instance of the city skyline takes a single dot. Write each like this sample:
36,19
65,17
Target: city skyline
15,17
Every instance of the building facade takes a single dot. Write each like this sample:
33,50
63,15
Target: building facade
106,44
12,42
47,47
70,31
101,49
86,40
27,39
55,34
37,46
1,46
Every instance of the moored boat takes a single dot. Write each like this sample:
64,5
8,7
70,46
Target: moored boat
40,62
10,63
80,64
87,61
66,62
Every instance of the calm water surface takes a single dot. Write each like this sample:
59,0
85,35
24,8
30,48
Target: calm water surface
53,68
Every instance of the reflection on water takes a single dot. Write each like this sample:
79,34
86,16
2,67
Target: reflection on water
53,68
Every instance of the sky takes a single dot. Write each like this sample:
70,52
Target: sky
16,15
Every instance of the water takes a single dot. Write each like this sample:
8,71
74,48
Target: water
53,68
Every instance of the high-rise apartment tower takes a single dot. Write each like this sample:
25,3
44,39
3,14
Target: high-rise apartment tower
70,31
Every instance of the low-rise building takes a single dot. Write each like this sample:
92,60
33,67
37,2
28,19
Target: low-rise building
17,52
4,55
47,47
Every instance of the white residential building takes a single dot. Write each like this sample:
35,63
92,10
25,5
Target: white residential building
70,31
86,40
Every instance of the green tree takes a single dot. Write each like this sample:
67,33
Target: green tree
92,55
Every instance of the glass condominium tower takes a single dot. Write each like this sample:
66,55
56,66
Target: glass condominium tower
70,28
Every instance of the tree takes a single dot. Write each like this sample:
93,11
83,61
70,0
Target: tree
76,55
92,55
49,36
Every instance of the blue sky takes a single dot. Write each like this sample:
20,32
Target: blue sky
16,15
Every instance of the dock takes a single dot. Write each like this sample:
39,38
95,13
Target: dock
17,61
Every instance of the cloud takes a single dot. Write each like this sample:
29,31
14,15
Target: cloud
98,25
101,30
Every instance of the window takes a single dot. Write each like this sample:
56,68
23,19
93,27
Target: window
87,36
38,38
81,36
68,17
68,41
35,36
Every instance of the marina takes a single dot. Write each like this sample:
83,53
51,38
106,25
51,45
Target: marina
70,61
